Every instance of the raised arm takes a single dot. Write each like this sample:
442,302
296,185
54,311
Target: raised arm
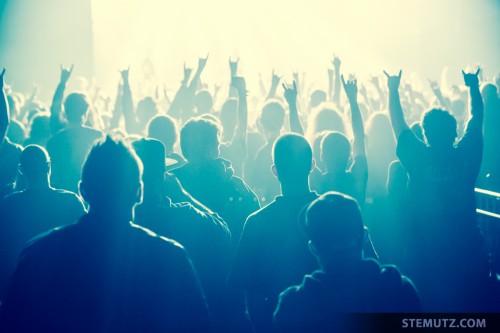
4,109
240,132
336,88
178,102
351,90
475,121
117,109
56,121
131,123
202,62
291,99
233,69
275,80
395,110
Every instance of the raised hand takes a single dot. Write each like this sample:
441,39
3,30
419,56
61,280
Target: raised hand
66,73
187,73
350,88
275,79
124,73
202,62
336,62
433,84
233,66
2,82
471,79
393,81
239,83
374,80
290,93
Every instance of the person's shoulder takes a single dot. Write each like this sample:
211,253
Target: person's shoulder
50,237
152,239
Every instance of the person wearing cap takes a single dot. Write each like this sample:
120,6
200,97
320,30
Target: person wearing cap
346,281
36,209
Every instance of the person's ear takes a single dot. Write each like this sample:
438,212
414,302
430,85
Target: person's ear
313,164
274,170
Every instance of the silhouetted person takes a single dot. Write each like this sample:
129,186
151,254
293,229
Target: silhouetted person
490,169
9,152
261,178
203,233
344,173
32,211
105,274
210,179
346,282
272,252
72,140
164,128
446,254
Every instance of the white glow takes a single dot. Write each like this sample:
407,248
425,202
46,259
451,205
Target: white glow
418,35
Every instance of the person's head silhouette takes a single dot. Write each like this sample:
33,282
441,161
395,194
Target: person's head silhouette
271,119
200,139
111,178
440,128
292,157
335,152
146,109
164,129
152,154
76,107
334,226
34,166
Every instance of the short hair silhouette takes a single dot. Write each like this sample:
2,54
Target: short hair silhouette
325,118
146,109
111,175
440,127
203,101
272,116
335,150
334,224
317,97
200,139
152,154
34,162
292,156
76,106
163,128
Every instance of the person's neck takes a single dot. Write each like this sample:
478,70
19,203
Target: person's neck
74,125
113,216
296,187
38,184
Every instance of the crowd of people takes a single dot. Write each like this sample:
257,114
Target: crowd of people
272,211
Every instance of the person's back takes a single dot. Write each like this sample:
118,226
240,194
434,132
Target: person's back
88,277
324,300
105,274
203,233
68,149
272,253
445,249
346,283
28,213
